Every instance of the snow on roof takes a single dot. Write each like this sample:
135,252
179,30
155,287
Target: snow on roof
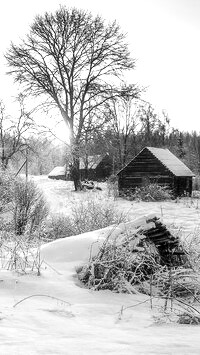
58,170
172,163
93,161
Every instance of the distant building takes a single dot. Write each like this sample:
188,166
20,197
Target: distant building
58,173
92,167
156,165
95,167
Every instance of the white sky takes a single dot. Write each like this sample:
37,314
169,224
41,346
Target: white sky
163,36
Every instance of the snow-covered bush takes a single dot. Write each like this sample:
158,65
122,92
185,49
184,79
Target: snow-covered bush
94,214
132,263
149,192
112,186
21,224
122,266
23,203
29,207
18,253
196,183
7,180
57,226
192,246
85,216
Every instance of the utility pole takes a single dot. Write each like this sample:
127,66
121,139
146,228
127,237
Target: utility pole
26,164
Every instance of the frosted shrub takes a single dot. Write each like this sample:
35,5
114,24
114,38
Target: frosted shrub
151,192
86,216
112,186
20,254
135,264
6,189
196,183
94,214
58,226
120,268
29,207
192,246
23,203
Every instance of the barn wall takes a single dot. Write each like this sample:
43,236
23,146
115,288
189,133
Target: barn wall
101,172
144,166
88,174
104,169
183,186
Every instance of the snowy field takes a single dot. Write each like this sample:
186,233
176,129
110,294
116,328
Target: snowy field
61,317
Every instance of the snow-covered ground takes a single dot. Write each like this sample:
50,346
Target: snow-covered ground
61,317
184,213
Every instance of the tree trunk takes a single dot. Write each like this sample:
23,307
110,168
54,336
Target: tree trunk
4,163
86,166
74,144
75,167
75,173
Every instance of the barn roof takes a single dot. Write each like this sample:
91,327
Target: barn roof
169,160
172,163
93,161
58,171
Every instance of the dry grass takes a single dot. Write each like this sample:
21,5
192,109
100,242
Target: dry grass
20,254
86,215
131,264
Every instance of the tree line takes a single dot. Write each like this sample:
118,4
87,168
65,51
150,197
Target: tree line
128,127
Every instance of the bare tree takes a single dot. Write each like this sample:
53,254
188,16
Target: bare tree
71,57
123,111
14,132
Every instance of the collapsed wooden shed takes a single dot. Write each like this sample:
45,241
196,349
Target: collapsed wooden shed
156,165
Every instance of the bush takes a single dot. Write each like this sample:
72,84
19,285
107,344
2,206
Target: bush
150,192
196,183
94,214
191,244
121,266
58,226
20,254
86,216
133,263
6,188
112,186
29,207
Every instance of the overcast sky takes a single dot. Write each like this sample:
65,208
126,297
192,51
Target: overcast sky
163,37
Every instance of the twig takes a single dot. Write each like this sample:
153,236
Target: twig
151,293
188,305
38,295
51,267
134,305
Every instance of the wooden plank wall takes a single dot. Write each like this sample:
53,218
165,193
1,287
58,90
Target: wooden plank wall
145,165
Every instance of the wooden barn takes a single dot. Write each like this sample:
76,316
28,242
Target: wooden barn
58,173
156,165
95,167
